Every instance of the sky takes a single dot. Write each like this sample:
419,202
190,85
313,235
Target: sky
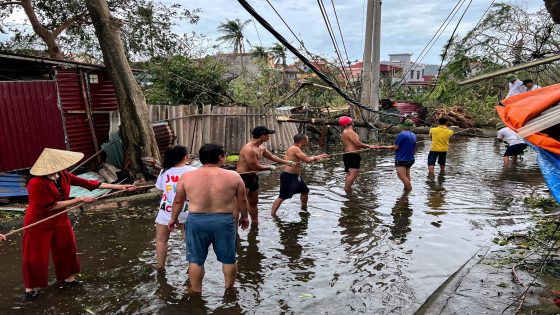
406,26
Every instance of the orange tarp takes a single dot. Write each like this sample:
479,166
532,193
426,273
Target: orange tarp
520,108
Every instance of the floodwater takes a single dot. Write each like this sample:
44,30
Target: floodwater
378,250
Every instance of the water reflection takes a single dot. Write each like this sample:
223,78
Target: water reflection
290,235
250,261
401,213
436,191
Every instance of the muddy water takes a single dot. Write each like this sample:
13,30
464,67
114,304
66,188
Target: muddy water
378,250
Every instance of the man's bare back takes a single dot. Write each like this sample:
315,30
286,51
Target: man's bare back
292,155
212,190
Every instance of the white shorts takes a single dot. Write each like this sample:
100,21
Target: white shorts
164,217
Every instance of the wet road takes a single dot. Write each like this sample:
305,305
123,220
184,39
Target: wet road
378,250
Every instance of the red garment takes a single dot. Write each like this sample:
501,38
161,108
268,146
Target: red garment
55,233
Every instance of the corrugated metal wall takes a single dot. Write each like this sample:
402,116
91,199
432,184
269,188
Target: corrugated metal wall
77,101
30,121
228,126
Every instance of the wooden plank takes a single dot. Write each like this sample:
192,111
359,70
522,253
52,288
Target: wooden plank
206,126
184,126
199,129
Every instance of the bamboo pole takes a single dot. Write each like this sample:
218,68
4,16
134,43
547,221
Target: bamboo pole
69,209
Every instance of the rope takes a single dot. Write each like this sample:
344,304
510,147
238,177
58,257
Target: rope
69,209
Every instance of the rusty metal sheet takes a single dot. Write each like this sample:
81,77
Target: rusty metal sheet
30,121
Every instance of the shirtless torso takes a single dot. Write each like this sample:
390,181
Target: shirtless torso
249,157
351,141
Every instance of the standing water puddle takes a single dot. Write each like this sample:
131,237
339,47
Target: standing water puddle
376,251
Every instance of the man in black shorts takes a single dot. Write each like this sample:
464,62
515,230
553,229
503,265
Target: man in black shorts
351,142
291,182
249,163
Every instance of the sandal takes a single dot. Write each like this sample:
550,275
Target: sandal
31,295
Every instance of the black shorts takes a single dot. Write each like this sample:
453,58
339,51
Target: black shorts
515,149
251,181
291,184
441,157
351,160
407,164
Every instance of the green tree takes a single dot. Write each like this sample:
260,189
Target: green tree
233,34
259,52
183,80
279,53
66,29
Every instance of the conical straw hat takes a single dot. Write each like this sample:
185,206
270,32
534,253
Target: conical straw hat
53,160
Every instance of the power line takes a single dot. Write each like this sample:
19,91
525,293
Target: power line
306,61
296,37
449,44
256,30
333,38
441,29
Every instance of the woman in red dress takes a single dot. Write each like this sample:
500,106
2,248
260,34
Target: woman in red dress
49,193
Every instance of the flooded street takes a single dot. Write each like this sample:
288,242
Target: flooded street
378,250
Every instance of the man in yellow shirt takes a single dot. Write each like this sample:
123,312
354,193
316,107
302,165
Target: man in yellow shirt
440,145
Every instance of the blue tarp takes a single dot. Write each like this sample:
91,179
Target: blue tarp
550,169
12,185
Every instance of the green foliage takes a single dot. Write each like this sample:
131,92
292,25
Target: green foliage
146,28
279,53
233,35
540,202
183,80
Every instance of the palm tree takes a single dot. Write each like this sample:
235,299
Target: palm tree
279,53
232,31
260,52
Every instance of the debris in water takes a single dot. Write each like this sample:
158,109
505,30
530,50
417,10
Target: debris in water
306,296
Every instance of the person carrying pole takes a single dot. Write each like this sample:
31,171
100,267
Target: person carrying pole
249,164
351,143
49,193
291,182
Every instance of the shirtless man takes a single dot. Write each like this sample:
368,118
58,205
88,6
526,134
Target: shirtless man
214,197
290,181
249,158
351,142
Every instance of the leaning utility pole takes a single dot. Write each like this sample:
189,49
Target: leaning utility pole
370,70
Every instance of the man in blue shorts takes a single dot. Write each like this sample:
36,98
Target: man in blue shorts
405,147
214,195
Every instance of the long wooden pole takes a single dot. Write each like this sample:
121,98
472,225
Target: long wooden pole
69,209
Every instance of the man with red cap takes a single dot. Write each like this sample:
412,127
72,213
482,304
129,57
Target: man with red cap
351,143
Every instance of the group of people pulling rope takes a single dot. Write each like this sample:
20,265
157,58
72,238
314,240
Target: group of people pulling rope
205,203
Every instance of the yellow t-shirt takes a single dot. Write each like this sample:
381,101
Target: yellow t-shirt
440,138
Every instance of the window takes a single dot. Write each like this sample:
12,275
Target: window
93,78
418,75
412,74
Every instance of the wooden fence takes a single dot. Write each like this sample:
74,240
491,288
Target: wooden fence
228,126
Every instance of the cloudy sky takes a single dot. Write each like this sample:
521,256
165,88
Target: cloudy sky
407,26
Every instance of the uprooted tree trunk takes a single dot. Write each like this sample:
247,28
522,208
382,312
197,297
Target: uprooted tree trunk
137,133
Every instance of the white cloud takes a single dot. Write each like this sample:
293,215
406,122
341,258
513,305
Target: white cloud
407,26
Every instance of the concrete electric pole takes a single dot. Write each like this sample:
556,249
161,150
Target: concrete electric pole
370,70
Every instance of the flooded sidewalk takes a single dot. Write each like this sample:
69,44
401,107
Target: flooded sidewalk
378,250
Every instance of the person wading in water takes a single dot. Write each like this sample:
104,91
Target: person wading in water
249,157
214,195
291,182
351,142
